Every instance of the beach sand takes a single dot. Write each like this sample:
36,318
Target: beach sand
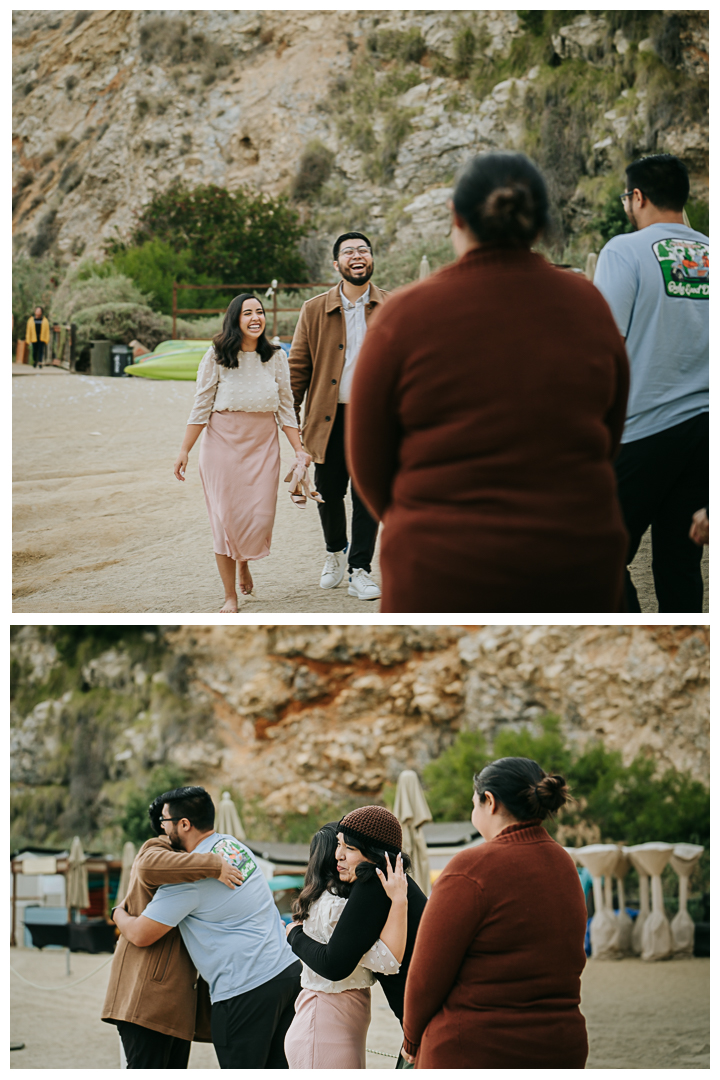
639,1016
101,524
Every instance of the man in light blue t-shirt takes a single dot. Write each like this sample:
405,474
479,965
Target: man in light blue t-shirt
235,938
656,281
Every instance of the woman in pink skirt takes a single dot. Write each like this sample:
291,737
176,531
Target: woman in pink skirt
332,1017
243,394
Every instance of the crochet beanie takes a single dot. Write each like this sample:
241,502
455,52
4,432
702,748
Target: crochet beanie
376,824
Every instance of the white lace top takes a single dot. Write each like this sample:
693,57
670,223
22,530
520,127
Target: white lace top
250,387
319,925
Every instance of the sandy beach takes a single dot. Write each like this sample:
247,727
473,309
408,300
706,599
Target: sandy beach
639,1016
101,524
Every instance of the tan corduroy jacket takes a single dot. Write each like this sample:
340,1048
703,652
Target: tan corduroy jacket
316,361
157,986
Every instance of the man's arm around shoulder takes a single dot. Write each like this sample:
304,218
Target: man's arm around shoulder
159,864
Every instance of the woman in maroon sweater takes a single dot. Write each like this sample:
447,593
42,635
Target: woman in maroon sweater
494,982
488,403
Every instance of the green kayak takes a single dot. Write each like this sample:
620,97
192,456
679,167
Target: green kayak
171,360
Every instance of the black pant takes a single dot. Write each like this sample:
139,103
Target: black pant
331,480
148,1049
38,348
248,1031
662,480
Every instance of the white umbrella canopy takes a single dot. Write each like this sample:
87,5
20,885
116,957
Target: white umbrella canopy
683,860
412,811
601,860
76,880
128,858
228,819
651,859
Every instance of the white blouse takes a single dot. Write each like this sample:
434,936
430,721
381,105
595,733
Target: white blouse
319,925
250,387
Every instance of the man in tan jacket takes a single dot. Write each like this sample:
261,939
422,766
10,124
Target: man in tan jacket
324,350
153,995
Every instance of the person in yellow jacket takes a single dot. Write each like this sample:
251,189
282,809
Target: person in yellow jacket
38,335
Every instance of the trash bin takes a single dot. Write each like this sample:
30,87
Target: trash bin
100,358
120,357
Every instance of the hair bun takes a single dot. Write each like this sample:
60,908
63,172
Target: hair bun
552,792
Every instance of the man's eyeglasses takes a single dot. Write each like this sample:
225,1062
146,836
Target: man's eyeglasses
628,194
356,251
162,819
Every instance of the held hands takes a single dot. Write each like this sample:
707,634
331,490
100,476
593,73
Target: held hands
394,882
230,875
180,465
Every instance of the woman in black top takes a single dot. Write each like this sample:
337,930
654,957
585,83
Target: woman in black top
364,837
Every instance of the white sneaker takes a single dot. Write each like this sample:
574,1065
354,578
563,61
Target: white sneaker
333,570
362,585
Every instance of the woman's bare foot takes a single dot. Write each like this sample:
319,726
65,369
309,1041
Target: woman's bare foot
230,606
245,578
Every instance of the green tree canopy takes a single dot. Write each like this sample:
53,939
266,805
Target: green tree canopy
629,804
233,237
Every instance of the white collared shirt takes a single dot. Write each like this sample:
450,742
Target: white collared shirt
355,327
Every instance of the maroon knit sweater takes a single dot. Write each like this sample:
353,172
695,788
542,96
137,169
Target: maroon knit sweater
487,406
494,980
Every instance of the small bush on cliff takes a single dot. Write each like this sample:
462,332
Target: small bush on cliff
314,169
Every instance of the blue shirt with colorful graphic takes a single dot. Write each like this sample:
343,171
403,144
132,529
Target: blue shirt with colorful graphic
657,283
235,937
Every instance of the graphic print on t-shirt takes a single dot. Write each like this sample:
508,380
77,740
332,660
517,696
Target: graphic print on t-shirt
685,266
232,852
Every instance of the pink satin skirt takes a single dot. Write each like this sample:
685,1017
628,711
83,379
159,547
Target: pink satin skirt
329,1030
239,466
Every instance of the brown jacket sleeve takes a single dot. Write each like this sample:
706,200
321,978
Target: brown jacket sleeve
163,866
448,926
300,361
374,431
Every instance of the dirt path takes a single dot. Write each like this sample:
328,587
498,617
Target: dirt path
639,1016
101,525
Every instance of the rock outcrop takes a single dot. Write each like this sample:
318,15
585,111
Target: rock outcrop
296,718
113,105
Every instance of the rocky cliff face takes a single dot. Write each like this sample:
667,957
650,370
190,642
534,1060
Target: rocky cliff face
296,718
111,106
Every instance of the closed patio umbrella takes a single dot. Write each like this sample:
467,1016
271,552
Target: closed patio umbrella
683,860
651,859
128,857
228,819
601,860
76,881
625,923
412,811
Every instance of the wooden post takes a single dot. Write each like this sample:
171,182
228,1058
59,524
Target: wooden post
174,311
275,312
106,893
14,904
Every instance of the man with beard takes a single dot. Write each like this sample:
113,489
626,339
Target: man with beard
235,938
325,347
656,283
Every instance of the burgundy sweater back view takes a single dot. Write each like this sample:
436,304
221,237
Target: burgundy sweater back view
494,981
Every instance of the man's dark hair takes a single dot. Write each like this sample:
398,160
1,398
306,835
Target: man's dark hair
662,178
192,803
349,236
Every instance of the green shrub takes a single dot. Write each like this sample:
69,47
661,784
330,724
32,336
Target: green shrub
612,219
121,322
628,804
154,266
406,45
698,213
134,820
464,45
93,284
34,282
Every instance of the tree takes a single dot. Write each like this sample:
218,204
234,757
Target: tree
233,237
